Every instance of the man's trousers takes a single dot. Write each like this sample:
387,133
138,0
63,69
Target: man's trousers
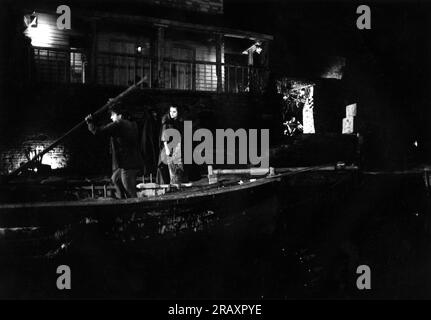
125,182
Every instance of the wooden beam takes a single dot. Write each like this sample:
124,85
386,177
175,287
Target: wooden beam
93,52
227,32
250,58
251,171
219,43
159,55
265,53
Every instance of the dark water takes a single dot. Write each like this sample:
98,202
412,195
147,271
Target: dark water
312,251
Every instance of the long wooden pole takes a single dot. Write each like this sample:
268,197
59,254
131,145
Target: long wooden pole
75,128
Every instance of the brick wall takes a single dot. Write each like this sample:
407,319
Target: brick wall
11,158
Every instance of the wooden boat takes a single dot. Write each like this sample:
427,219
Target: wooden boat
239,203
234,202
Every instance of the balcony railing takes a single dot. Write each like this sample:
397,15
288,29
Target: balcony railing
70,66
122,69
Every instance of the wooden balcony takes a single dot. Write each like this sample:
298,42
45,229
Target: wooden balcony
115,69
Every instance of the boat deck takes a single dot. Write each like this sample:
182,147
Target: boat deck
225,183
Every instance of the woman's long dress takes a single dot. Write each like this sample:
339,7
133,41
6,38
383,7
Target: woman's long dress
170,168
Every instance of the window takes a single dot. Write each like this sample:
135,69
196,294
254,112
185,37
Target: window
123,64
59,65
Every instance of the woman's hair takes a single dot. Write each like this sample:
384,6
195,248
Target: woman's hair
174,106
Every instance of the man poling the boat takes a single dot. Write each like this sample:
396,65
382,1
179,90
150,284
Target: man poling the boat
126,158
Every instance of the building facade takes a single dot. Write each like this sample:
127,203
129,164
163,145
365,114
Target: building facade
120,48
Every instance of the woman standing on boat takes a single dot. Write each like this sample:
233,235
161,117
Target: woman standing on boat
170,169
126,159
